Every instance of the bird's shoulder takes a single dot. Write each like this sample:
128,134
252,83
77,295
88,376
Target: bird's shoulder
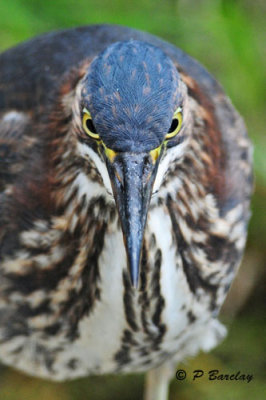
225,150
15,146
23,179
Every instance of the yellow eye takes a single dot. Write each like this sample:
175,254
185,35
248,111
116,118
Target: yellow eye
176,124
88,126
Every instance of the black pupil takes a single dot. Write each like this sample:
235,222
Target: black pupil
90,125
174,125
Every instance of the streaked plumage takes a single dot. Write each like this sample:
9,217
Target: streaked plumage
67,306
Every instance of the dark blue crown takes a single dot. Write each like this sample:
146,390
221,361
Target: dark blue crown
131,91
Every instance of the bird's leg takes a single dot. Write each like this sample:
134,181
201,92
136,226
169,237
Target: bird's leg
157,382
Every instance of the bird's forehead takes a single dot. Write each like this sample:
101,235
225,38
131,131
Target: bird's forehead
138,61
132,82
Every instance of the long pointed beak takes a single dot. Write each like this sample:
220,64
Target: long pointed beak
132,176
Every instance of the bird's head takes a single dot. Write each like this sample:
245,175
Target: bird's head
131,113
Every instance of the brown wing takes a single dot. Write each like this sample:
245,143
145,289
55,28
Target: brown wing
14,147
17,147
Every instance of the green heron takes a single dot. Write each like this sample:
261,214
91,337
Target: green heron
125,180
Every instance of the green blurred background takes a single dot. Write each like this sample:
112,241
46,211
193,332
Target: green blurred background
227,36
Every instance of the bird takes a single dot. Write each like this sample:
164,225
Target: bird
125,185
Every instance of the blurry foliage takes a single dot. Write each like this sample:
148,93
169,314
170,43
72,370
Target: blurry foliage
228,37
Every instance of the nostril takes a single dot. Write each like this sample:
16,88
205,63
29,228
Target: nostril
119,177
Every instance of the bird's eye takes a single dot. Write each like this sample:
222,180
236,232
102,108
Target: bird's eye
88,126
176,124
